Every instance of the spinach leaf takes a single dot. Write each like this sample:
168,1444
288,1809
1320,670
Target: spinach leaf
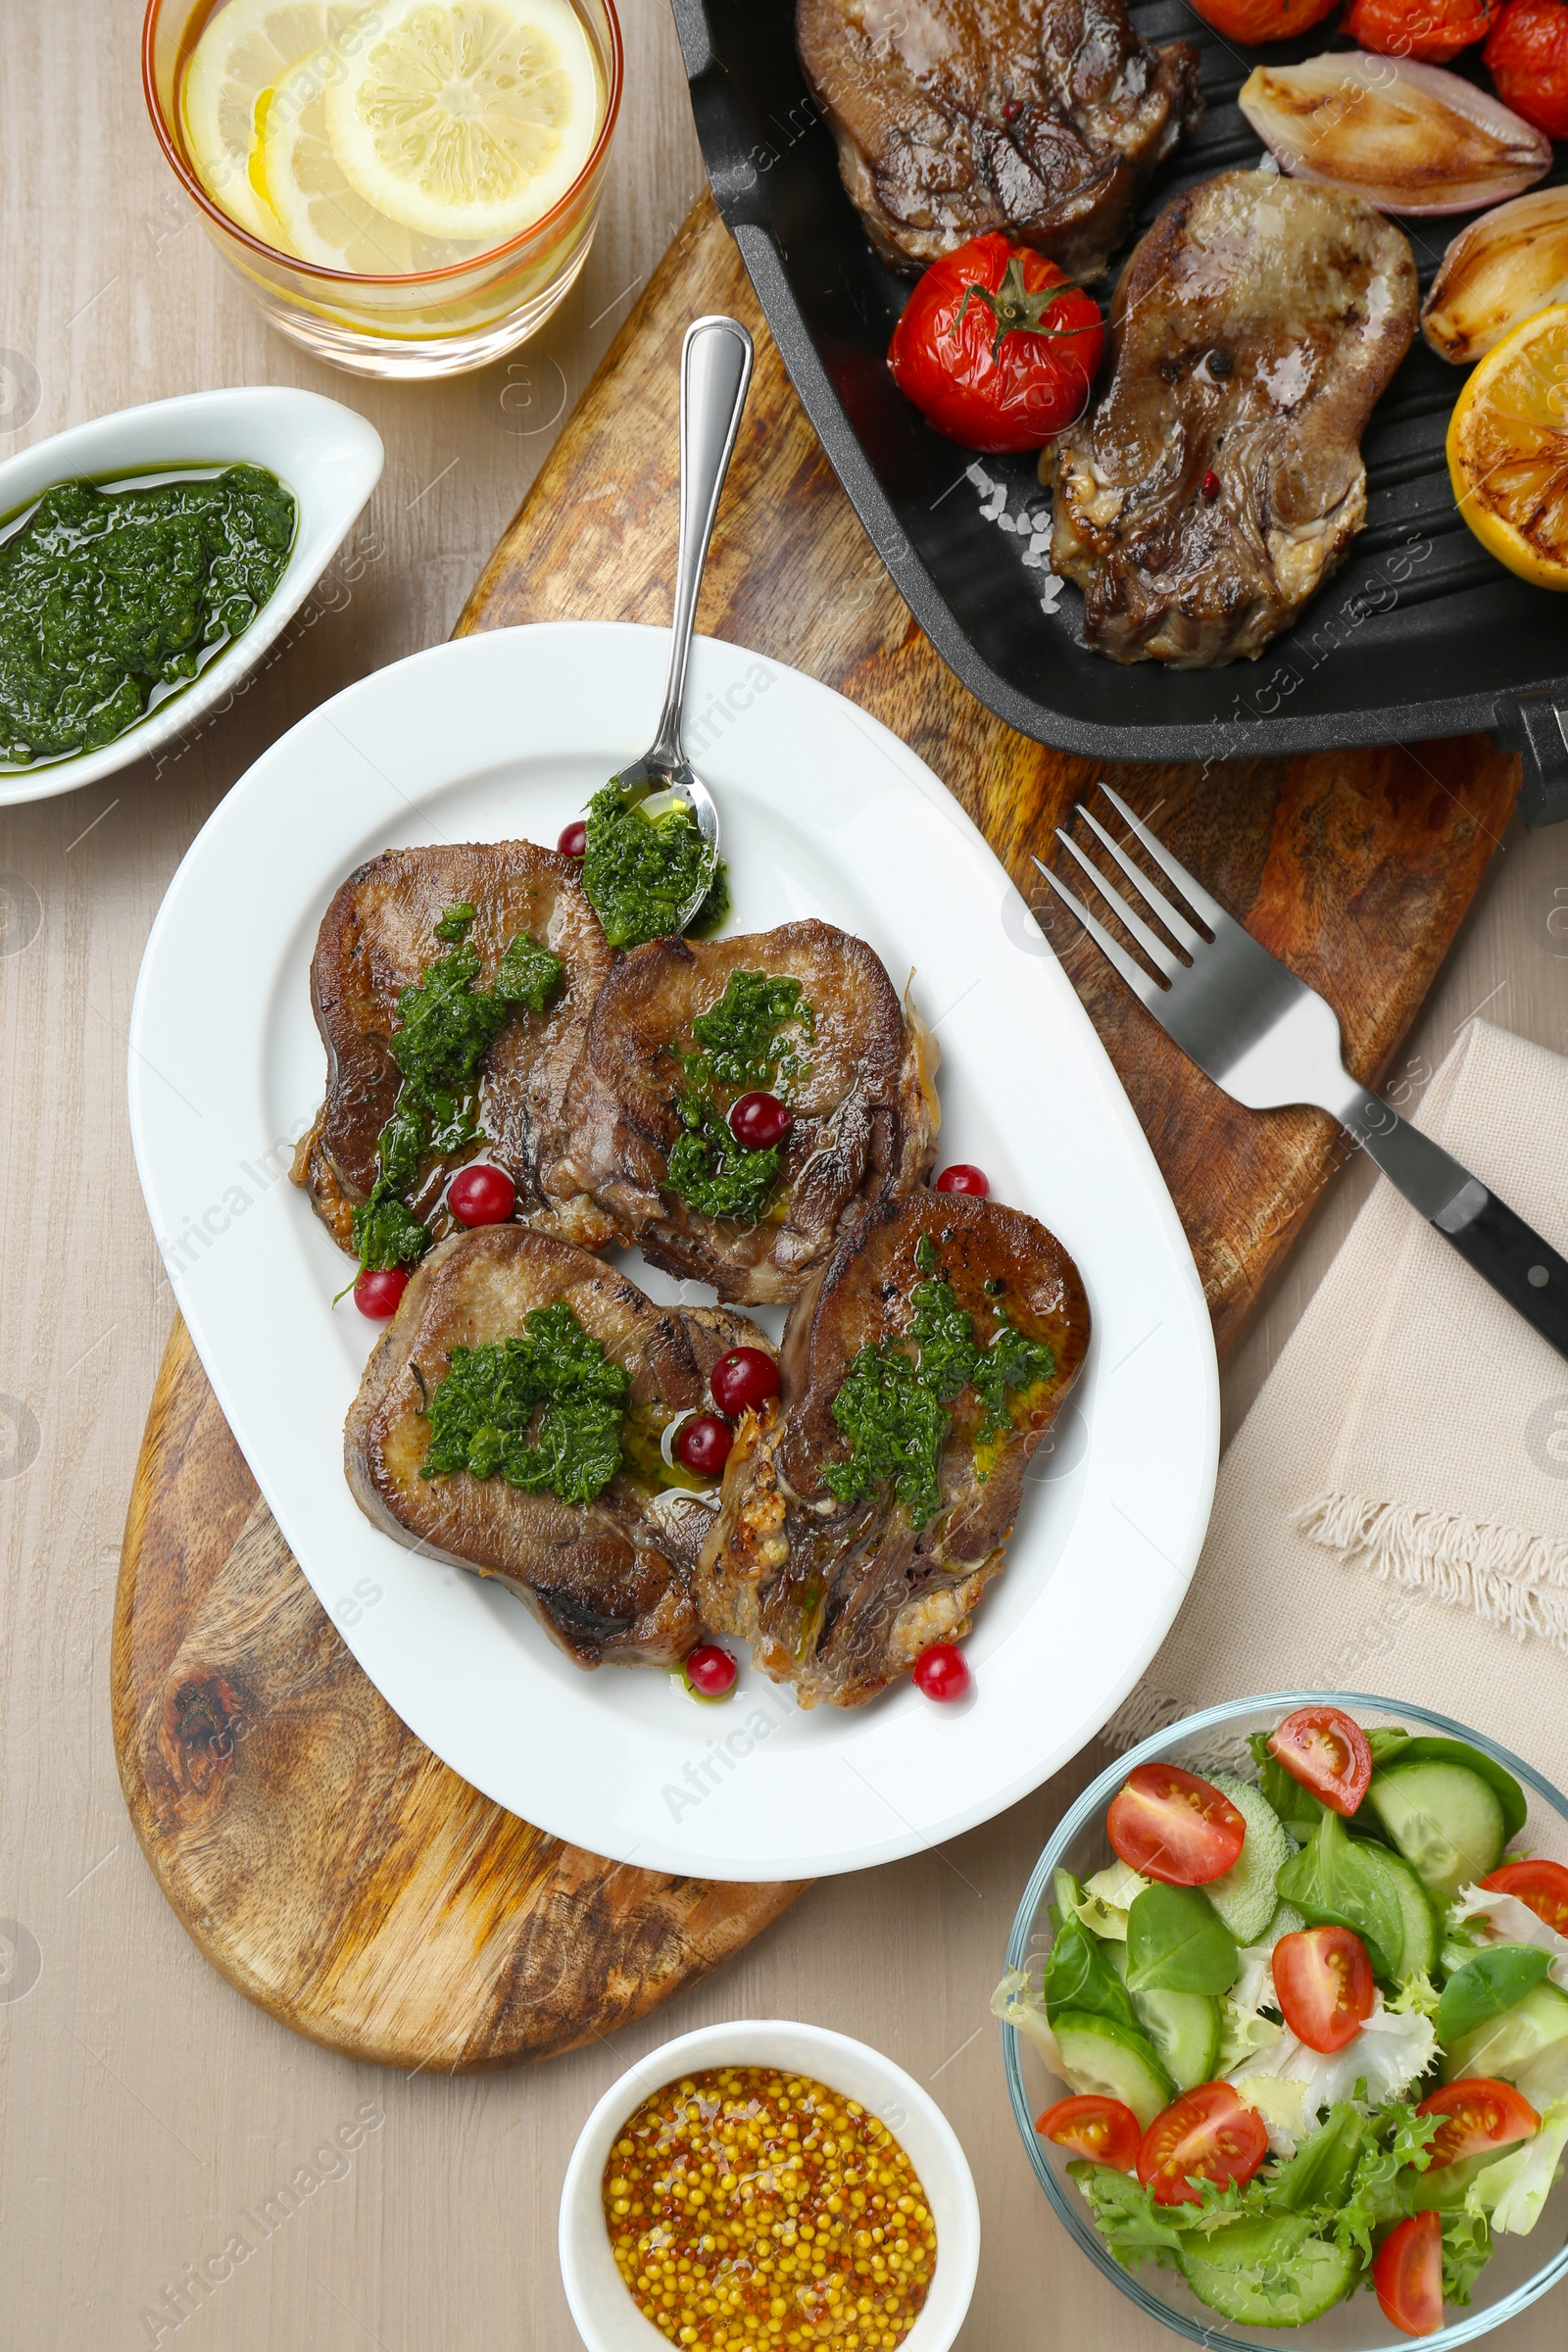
1487,1986
1177,1942
1386,1743
1297,1807
1078,1975
1335,1880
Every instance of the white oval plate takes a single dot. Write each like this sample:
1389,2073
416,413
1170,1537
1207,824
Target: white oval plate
327,455
824,814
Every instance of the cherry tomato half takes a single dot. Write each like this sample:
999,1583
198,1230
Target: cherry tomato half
572,841
942,1671
1433,30
1477,2113
1541,1886
991,354
1255,21
481,1194
378,1289
742,1380
1103,2129
710,1669
963,1178
1407,2273
1210,2134
1325,1983
703,1445
1527,56
1327,1751
1168,1823
760,1121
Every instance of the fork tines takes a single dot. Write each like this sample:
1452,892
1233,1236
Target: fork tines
1175,920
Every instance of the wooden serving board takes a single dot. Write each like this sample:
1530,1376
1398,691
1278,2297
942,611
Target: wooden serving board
321,1857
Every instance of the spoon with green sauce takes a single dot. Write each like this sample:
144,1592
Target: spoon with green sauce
715,372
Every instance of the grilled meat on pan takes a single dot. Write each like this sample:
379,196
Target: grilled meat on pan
863,1105
1218,482
1042,118
608,1580
377,938
841,1599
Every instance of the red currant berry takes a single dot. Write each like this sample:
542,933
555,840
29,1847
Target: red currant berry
574,839
941,1671
703,1445
961,1178
481,1194
743,1378
710,1669
760,1121
378,1289
1212,484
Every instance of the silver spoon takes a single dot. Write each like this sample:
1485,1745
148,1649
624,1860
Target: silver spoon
715,370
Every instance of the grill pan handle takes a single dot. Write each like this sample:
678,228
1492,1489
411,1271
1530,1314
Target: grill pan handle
1536,726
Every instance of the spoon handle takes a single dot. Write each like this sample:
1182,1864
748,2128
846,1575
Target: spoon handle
715,372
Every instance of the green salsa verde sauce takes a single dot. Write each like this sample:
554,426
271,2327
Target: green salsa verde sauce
445,1025
639,871
892,1405
749,1040
543,1409
110,599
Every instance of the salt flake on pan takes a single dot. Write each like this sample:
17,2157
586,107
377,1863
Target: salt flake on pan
1051,596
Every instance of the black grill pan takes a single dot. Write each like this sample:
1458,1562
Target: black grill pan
1421,634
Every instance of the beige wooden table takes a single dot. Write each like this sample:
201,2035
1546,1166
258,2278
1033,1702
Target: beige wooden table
146,2106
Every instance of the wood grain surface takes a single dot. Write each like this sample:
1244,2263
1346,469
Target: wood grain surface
171,2165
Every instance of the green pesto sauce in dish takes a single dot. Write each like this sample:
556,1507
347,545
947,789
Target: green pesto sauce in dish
639,871
445,1025
543,1409
748,1042
112,600
892,1408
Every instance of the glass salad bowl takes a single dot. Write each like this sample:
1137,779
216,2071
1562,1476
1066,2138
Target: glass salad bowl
1521,2268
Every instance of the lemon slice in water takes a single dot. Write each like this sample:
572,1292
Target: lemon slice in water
321,216
465,118
240,55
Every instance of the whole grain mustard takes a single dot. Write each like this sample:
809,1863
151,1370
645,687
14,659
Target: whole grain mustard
749,2208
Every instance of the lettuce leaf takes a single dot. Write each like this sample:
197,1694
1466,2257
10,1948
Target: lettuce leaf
1511,2190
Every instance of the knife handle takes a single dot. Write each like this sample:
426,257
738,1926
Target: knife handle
1512,1256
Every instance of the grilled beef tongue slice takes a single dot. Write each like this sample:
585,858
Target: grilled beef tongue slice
840,1599
864,1109
1219,483
376,939
1042,118
608,1580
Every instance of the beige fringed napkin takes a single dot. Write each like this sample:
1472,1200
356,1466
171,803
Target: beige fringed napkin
1393,1515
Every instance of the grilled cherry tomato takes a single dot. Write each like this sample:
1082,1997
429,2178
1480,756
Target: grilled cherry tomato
1325,1983
1210,2134
962,1177
710,1669
481,1194
1327,1751
760,1121
996,348
1168,1823
1103,2129
378,1289
1541,1886
1527,56
1477,2113
942,1672
703,1445
1433,30
1255,21
744,1377
1407,2273
572,840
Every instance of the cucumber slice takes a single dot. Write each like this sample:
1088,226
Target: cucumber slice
1268,2273
1508,2044
1421,1931
1099,2055
1244,1896
1500,1781
1287,1921
1444,1818
1184,2028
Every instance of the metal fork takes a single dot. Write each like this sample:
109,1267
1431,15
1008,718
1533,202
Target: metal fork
1269,1040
